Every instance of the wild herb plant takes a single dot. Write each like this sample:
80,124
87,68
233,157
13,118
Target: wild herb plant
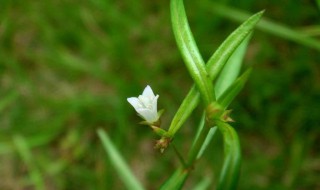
216,84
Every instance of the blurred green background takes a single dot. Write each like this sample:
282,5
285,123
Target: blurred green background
67,67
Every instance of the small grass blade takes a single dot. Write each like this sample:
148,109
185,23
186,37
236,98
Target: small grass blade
265,25
118,162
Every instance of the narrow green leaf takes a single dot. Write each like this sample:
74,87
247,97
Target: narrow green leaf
189,103
189,50
209,137
200,128
176,181
226,98
265,25
118,162
26,155
232,68
227,48
231,166
214,66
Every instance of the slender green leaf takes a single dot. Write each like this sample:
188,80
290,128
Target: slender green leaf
118,162
231,166
226,98
209,137
232,68
214,66
189,50
197,145
189,103
265,25
200,128
311,30
176,181
226,49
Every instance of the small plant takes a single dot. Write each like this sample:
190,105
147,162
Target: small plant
216,85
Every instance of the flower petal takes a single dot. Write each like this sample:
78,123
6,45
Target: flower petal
148,115
148,92
145,101
154,103
135,102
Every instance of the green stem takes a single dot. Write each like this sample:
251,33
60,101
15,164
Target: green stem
181,159
177,180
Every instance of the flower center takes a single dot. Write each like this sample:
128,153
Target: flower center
145,102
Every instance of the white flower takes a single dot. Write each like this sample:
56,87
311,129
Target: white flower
146,105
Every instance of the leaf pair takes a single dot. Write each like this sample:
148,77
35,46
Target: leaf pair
201,72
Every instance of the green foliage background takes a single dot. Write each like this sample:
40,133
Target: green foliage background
67,67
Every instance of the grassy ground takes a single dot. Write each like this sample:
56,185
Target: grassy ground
67,67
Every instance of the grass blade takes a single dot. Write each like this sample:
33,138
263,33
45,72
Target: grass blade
118,162
265,25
